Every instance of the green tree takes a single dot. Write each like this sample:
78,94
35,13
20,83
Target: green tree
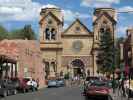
118,42
3,33
105,58
24,33
16,34
28,32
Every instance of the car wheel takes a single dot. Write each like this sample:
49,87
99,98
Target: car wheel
5,94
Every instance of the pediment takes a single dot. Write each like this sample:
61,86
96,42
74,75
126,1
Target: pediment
77,28
105,16
50,15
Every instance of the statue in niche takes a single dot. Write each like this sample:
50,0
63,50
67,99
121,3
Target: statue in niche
47,33
53,34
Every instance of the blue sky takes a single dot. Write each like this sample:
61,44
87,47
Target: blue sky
16,13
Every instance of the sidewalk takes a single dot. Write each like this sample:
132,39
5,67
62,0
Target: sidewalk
118,96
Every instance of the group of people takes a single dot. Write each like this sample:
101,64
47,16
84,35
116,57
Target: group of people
32,84
76,80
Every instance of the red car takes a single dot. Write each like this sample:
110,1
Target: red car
98,90
21,84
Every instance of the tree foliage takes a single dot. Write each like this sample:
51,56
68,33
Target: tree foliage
105,57
118,42
23,33
28,33
3,33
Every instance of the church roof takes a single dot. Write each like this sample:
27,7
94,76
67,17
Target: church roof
107,15
50,13
77,20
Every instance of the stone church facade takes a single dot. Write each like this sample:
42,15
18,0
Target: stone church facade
74,49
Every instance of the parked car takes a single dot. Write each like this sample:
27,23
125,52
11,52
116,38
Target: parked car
97,90
61,82
52,83
88,81
99,97
22,87
7,87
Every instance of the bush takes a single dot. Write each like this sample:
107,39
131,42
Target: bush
66,76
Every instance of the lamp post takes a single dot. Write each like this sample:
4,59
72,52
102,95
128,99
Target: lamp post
113,65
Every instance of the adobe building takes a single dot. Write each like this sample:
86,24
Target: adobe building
24,60
74,49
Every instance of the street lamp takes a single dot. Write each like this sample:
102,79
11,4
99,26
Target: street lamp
113,65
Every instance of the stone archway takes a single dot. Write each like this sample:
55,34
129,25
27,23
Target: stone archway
78,67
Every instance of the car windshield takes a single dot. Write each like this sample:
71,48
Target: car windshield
92,78
98,83
51,80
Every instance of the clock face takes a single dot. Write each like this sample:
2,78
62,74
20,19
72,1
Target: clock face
77,46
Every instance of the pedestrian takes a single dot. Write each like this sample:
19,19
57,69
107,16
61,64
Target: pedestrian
123,88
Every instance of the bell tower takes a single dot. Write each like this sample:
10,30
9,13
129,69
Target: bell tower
51,24
104,19
51,27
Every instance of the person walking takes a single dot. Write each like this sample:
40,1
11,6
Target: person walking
123,87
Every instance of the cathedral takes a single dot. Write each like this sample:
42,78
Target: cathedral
73,50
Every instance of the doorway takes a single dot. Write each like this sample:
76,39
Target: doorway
78,67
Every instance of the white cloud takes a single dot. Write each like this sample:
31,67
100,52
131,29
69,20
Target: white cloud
125,9
19,10
49,6
27,10
70,15
98,3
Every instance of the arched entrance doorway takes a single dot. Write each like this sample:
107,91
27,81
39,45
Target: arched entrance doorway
78,67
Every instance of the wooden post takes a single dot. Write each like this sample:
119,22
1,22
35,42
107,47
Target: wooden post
12,70
16,70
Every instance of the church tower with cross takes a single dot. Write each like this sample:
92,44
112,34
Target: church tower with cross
104,19
51,25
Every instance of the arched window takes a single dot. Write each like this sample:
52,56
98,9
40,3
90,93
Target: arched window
53,33
102,30
47,34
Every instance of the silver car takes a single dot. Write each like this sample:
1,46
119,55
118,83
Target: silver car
52,83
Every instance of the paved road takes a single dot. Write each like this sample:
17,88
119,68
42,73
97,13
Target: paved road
63,93
49,94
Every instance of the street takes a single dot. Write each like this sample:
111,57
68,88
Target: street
62,93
